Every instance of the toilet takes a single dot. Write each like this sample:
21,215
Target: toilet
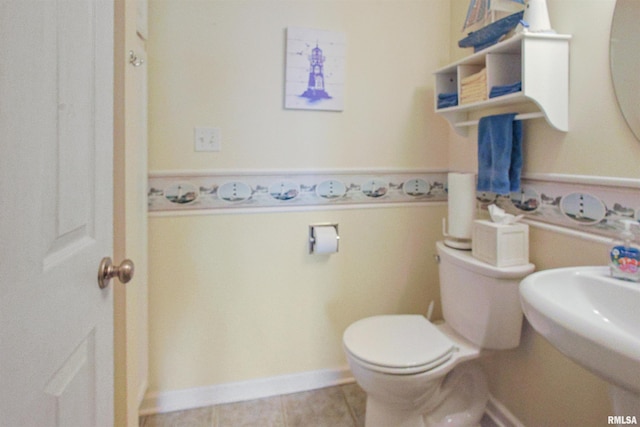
419,374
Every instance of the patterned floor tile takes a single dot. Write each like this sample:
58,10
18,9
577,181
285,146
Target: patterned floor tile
326,407
254,413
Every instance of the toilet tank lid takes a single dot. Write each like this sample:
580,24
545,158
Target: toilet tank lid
466,260
397,341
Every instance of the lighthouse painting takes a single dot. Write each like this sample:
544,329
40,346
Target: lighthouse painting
315,69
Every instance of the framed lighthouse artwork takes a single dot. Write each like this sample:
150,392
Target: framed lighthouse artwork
315,69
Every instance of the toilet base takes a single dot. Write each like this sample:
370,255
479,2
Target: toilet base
380,415
462,399
466,401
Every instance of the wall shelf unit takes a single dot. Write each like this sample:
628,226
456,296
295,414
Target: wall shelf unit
539,61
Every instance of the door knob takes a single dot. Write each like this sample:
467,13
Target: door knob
107,271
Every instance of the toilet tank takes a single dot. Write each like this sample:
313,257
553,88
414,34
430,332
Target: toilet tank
480,301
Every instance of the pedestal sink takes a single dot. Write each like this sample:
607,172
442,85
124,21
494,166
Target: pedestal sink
594,320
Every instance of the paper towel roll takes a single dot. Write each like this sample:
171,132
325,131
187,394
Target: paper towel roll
462,204
325,239
536,15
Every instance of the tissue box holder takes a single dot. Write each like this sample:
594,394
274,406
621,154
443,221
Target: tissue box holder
499,244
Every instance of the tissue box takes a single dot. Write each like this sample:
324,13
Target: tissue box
500,245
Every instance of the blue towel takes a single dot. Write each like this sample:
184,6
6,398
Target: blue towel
499,154
505,89
447,100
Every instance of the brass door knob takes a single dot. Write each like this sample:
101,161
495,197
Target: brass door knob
107,271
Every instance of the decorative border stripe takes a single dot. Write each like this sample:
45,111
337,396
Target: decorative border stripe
171,191
595,206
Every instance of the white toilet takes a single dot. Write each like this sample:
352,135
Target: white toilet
418,374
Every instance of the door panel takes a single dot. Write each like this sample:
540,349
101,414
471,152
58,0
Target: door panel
56,130
75,83
72,388
72,157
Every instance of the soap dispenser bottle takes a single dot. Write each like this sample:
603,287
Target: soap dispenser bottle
625,255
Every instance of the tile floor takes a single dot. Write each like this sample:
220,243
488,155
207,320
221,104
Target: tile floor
339,406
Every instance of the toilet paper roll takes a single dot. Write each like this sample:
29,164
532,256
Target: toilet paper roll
462,204
325,240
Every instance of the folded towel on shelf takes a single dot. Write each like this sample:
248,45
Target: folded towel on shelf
505,89
479,76
473,88
499,154
447,95
468,96
447,100
472,99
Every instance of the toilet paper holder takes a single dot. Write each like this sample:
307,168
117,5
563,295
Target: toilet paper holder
312,235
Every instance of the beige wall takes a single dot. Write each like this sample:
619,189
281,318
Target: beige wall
240,298
221,63
228,305
236,296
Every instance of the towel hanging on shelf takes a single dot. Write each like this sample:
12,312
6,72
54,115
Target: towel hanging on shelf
499,154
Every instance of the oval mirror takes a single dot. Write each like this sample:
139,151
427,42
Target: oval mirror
625,60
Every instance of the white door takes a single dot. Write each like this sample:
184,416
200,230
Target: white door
56,136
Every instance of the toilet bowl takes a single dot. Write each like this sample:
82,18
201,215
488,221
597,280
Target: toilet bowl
418,374
410,367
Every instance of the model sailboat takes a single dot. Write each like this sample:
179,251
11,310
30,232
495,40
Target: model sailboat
495,17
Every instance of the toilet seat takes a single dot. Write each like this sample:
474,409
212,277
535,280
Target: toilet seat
398,344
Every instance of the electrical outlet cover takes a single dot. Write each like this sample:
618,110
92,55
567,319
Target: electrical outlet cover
207,139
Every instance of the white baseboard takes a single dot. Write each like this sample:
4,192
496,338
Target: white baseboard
176,400
501,415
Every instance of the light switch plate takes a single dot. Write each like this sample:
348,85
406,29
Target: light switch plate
207,139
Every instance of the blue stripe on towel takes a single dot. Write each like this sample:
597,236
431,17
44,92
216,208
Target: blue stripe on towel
499,154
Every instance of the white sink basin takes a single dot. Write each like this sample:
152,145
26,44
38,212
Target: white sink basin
590,317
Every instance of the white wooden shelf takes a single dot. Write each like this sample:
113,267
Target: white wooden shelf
539,61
